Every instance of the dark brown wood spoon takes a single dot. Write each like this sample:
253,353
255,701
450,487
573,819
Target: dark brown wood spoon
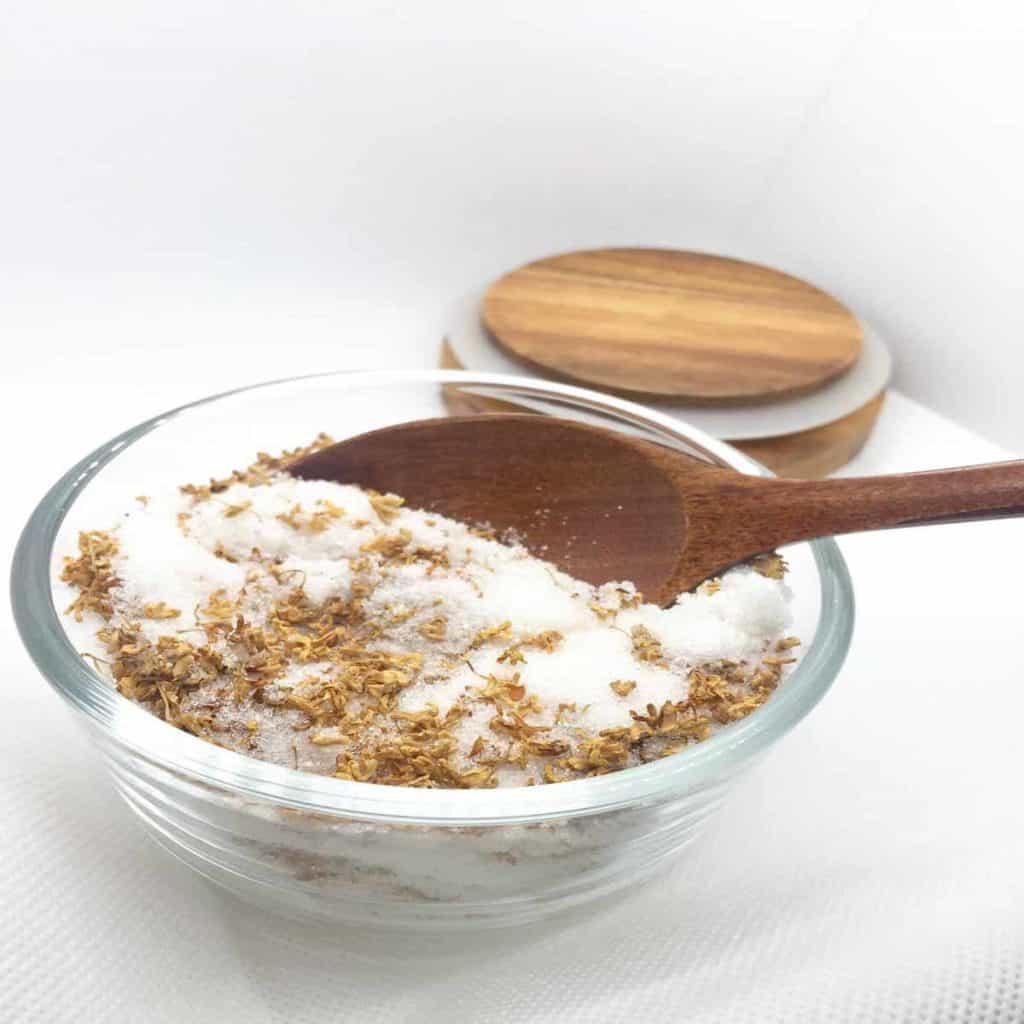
604,506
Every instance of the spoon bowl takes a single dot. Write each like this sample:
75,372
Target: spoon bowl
566,491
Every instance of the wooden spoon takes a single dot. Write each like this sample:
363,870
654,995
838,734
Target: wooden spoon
604,506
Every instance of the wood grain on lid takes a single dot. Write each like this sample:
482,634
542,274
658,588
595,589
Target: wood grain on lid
665,322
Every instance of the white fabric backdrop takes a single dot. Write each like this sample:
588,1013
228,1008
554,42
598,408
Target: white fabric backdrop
201,146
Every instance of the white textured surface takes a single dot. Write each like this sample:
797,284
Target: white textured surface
868,871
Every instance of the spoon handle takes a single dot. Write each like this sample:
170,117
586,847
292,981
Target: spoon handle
792,510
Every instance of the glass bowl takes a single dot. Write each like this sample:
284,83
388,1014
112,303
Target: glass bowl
355,852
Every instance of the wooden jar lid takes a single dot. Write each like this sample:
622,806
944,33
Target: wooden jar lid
811,453
669,323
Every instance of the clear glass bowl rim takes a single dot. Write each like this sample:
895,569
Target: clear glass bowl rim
145,736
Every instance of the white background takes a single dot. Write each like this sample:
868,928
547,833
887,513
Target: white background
328,174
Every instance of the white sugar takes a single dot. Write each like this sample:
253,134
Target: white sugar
256,544
529,593
734,623
159,563
258,525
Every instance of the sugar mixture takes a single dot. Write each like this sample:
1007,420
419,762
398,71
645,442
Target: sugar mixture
333,630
